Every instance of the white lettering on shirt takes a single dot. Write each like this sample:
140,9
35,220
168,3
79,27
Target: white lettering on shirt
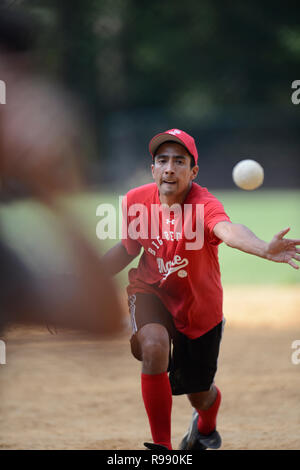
171,266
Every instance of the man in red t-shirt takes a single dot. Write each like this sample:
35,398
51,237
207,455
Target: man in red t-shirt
175,293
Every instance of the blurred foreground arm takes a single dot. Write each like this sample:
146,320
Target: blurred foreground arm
279,249
116,259
45,145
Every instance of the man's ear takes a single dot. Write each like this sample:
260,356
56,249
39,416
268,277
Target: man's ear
195,171
152,169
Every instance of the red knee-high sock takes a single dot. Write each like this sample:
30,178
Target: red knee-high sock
208,418
157,396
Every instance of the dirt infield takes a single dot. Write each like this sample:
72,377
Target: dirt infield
73,392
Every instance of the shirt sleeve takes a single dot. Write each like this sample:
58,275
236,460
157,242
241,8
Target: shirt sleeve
214,212
132,246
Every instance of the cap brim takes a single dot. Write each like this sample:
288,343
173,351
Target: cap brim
161,138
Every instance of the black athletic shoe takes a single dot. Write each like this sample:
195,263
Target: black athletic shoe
156,447
194,440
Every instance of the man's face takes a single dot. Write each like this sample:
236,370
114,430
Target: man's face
172,170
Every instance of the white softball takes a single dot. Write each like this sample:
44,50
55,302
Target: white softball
248,174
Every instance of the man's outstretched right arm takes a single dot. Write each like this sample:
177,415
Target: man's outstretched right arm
116,259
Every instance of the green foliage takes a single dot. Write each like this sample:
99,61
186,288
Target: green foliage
136,53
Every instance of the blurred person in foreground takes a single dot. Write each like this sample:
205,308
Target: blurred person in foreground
175,293
41,151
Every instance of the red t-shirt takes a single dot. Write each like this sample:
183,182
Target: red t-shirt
188,281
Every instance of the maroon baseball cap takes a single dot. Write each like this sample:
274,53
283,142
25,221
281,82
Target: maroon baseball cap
175,135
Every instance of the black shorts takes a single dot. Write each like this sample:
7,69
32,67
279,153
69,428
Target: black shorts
193,362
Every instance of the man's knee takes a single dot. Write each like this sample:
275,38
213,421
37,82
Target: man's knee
154,345
154,349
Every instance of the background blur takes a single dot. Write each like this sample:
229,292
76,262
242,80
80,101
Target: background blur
222,72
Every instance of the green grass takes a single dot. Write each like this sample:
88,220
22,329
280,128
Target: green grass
34,234
265,213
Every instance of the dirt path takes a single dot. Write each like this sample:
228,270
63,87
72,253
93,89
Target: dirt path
73,392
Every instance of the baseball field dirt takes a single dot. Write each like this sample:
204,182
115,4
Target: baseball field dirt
71,391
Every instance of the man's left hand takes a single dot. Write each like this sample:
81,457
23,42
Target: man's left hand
283,250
